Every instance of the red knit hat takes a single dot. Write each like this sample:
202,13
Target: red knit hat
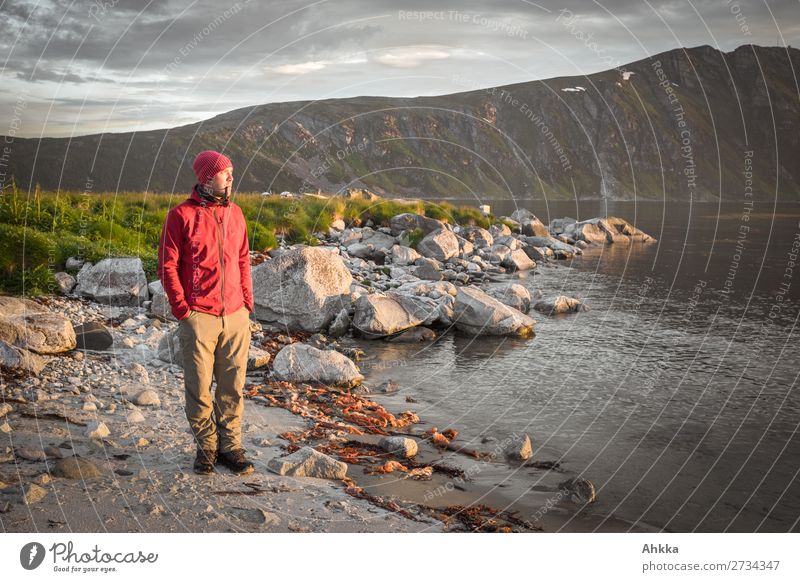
208,164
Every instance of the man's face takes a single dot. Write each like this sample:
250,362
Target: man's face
222,180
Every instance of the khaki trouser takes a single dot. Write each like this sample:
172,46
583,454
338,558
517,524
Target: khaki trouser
219,346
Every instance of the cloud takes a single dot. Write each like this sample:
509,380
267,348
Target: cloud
407,57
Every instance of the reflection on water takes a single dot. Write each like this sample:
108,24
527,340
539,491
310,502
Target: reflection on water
676,393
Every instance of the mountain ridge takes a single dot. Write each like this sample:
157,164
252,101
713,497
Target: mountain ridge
613,134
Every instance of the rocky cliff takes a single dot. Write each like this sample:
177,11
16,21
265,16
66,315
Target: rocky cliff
687,123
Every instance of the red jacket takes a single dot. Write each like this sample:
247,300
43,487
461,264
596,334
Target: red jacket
204,258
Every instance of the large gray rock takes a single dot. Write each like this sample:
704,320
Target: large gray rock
518,260
440,244
559,304
118,281
27,325
93,335
379,315
14,360
169,348
610,229
477,313
304,363
401,446
303,288
257,358
160,306
66,282
378,240
519,448
428,269
514,295
308,463
409,221
561,250
529,224
402,256
479,237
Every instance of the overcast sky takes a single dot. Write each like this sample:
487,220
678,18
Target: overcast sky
87,66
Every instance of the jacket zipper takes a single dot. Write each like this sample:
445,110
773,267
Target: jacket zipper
221,262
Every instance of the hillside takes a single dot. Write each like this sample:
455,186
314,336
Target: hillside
651,132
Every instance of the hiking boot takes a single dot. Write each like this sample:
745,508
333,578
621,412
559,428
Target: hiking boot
204,461
236,462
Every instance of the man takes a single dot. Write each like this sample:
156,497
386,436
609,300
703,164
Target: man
204,267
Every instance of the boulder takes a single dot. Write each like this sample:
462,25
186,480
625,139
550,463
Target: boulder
402,256
428,269
499,230
606,230
518,260
93,335
160,306
513,295
559,304
75,468
118,281
559,225
529,224
440,244
147,397
308,462
414,335
303,288
66,282
477,313
479,237
14,360
378,240
409,221
303,363
97,430
340,324
169,348
379,315
27,325
519,448
257,358
401,446
561,250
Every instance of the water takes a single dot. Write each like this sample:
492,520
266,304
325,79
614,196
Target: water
676,394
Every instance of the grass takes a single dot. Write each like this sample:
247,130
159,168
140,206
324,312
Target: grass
40,230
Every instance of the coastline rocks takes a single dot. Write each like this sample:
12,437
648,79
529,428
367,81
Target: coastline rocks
18,360
497,230
478,313
75,468
29,326
409,221
440,244
169,348
27,494
303,288
119,281
479,237
428,269
377,315
605,230
257,358
519,448
414,335
93,335
559,304
340,324
160,306
66,282
97,430
147,398
402,256
518,260
400,446
514,295
529,224
308,462
303,363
